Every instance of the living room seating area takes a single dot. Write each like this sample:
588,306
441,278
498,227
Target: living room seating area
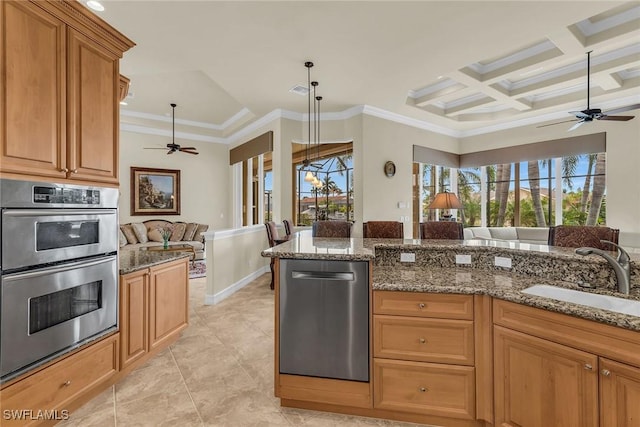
149,234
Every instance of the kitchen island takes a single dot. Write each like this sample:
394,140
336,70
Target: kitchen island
461,344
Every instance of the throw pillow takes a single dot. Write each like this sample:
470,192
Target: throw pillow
178,231
122,239
190,231
140,231
154,235
200,229
127,230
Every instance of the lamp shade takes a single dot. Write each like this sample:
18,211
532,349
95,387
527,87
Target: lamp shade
445,200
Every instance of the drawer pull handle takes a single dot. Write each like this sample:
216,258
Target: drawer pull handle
606,372
423,389
588,367
67,383
65,170
421,305
423,341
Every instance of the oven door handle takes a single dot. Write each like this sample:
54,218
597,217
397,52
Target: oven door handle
57,269
57,212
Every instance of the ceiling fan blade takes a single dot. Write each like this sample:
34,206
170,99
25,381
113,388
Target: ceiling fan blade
190,152
187,148
154,148
556,123
577,125
622,109
171,152
617,118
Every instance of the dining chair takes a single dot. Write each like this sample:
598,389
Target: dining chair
288,228
383,229
331,229
272,238
441,230
576,236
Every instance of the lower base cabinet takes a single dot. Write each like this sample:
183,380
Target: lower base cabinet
424,388
48,395
154,309
539,383
619,394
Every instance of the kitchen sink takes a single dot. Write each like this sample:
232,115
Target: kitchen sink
604,302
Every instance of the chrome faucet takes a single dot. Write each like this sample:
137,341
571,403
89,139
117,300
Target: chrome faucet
620,265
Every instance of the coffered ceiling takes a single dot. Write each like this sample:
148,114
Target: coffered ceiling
459,68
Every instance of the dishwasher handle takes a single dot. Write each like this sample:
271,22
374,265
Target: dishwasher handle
323,275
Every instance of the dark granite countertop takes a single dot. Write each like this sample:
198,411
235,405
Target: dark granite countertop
498,284
139,259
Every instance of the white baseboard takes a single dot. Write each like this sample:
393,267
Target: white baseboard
226,293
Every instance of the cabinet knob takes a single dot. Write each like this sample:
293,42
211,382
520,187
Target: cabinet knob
67,383
606,372
421,305
65,170
422,341
422,389
74,171
588,367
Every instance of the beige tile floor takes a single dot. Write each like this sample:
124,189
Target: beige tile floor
219,373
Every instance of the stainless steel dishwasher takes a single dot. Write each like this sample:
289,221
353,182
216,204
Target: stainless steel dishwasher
324,318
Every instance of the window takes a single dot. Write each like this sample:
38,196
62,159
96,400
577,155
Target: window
569,190
332,199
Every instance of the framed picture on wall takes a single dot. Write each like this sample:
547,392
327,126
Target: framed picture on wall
155,191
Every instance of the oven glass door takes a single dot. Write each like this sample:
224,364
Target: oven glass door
40,236
49,310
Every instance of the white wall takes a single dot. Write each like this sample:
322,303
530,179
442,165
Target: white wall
623,161
383,140
204,179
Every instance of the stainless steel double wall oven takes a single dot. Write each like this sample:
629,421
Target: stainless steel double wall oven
59,270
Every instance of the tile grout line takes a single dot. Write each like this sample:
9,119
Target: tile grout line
186,386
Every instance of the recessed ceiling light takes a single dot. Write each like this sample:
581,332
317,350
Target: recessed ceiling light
95,5
439,77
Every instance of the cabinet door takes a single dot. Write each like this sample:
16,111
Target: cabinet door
92,106
619,394
539,383
169,301
32,91
134,315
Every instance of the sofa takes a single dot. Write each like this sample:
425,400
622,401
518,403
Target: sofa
535,235
137,235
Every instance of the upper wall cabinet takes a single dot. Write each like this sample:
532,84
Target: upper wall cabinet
60,93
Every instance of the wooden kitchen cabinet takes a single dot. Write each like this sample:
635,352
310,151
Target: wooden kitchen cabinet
154,309
423,349
134,317
619,394
539,383
61,386
59,93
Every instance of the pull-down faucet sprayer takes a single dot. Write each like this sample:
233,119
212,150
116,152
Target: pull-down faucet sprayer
620,265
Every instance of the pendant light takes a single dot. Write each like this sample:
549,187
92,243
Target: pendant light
317,124
308,176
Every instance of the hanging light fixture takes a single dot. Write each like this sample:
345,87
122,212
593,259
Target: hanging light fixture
309,175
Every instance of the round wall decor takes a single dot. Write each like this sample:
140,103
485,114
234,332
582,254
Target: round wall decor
389,169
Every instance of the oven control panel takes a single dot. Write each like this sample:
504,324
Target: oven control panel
63,195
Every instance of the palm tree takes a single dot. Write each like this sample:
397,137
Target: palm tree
534,186
502,192
587,183
599,182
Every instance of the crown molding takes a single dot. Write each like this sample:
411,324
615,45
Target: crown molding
409,121
146,130
192,123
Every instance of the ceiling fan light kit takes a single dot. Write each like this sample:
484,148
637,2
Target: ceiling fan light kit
591,114
172,147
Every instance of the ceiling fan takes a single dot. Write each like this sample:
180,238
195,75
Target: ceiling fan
172,146
591,114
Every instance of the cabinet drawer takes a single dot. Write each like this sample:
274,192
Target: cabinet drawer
443,306
426,340
56,386
424,388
